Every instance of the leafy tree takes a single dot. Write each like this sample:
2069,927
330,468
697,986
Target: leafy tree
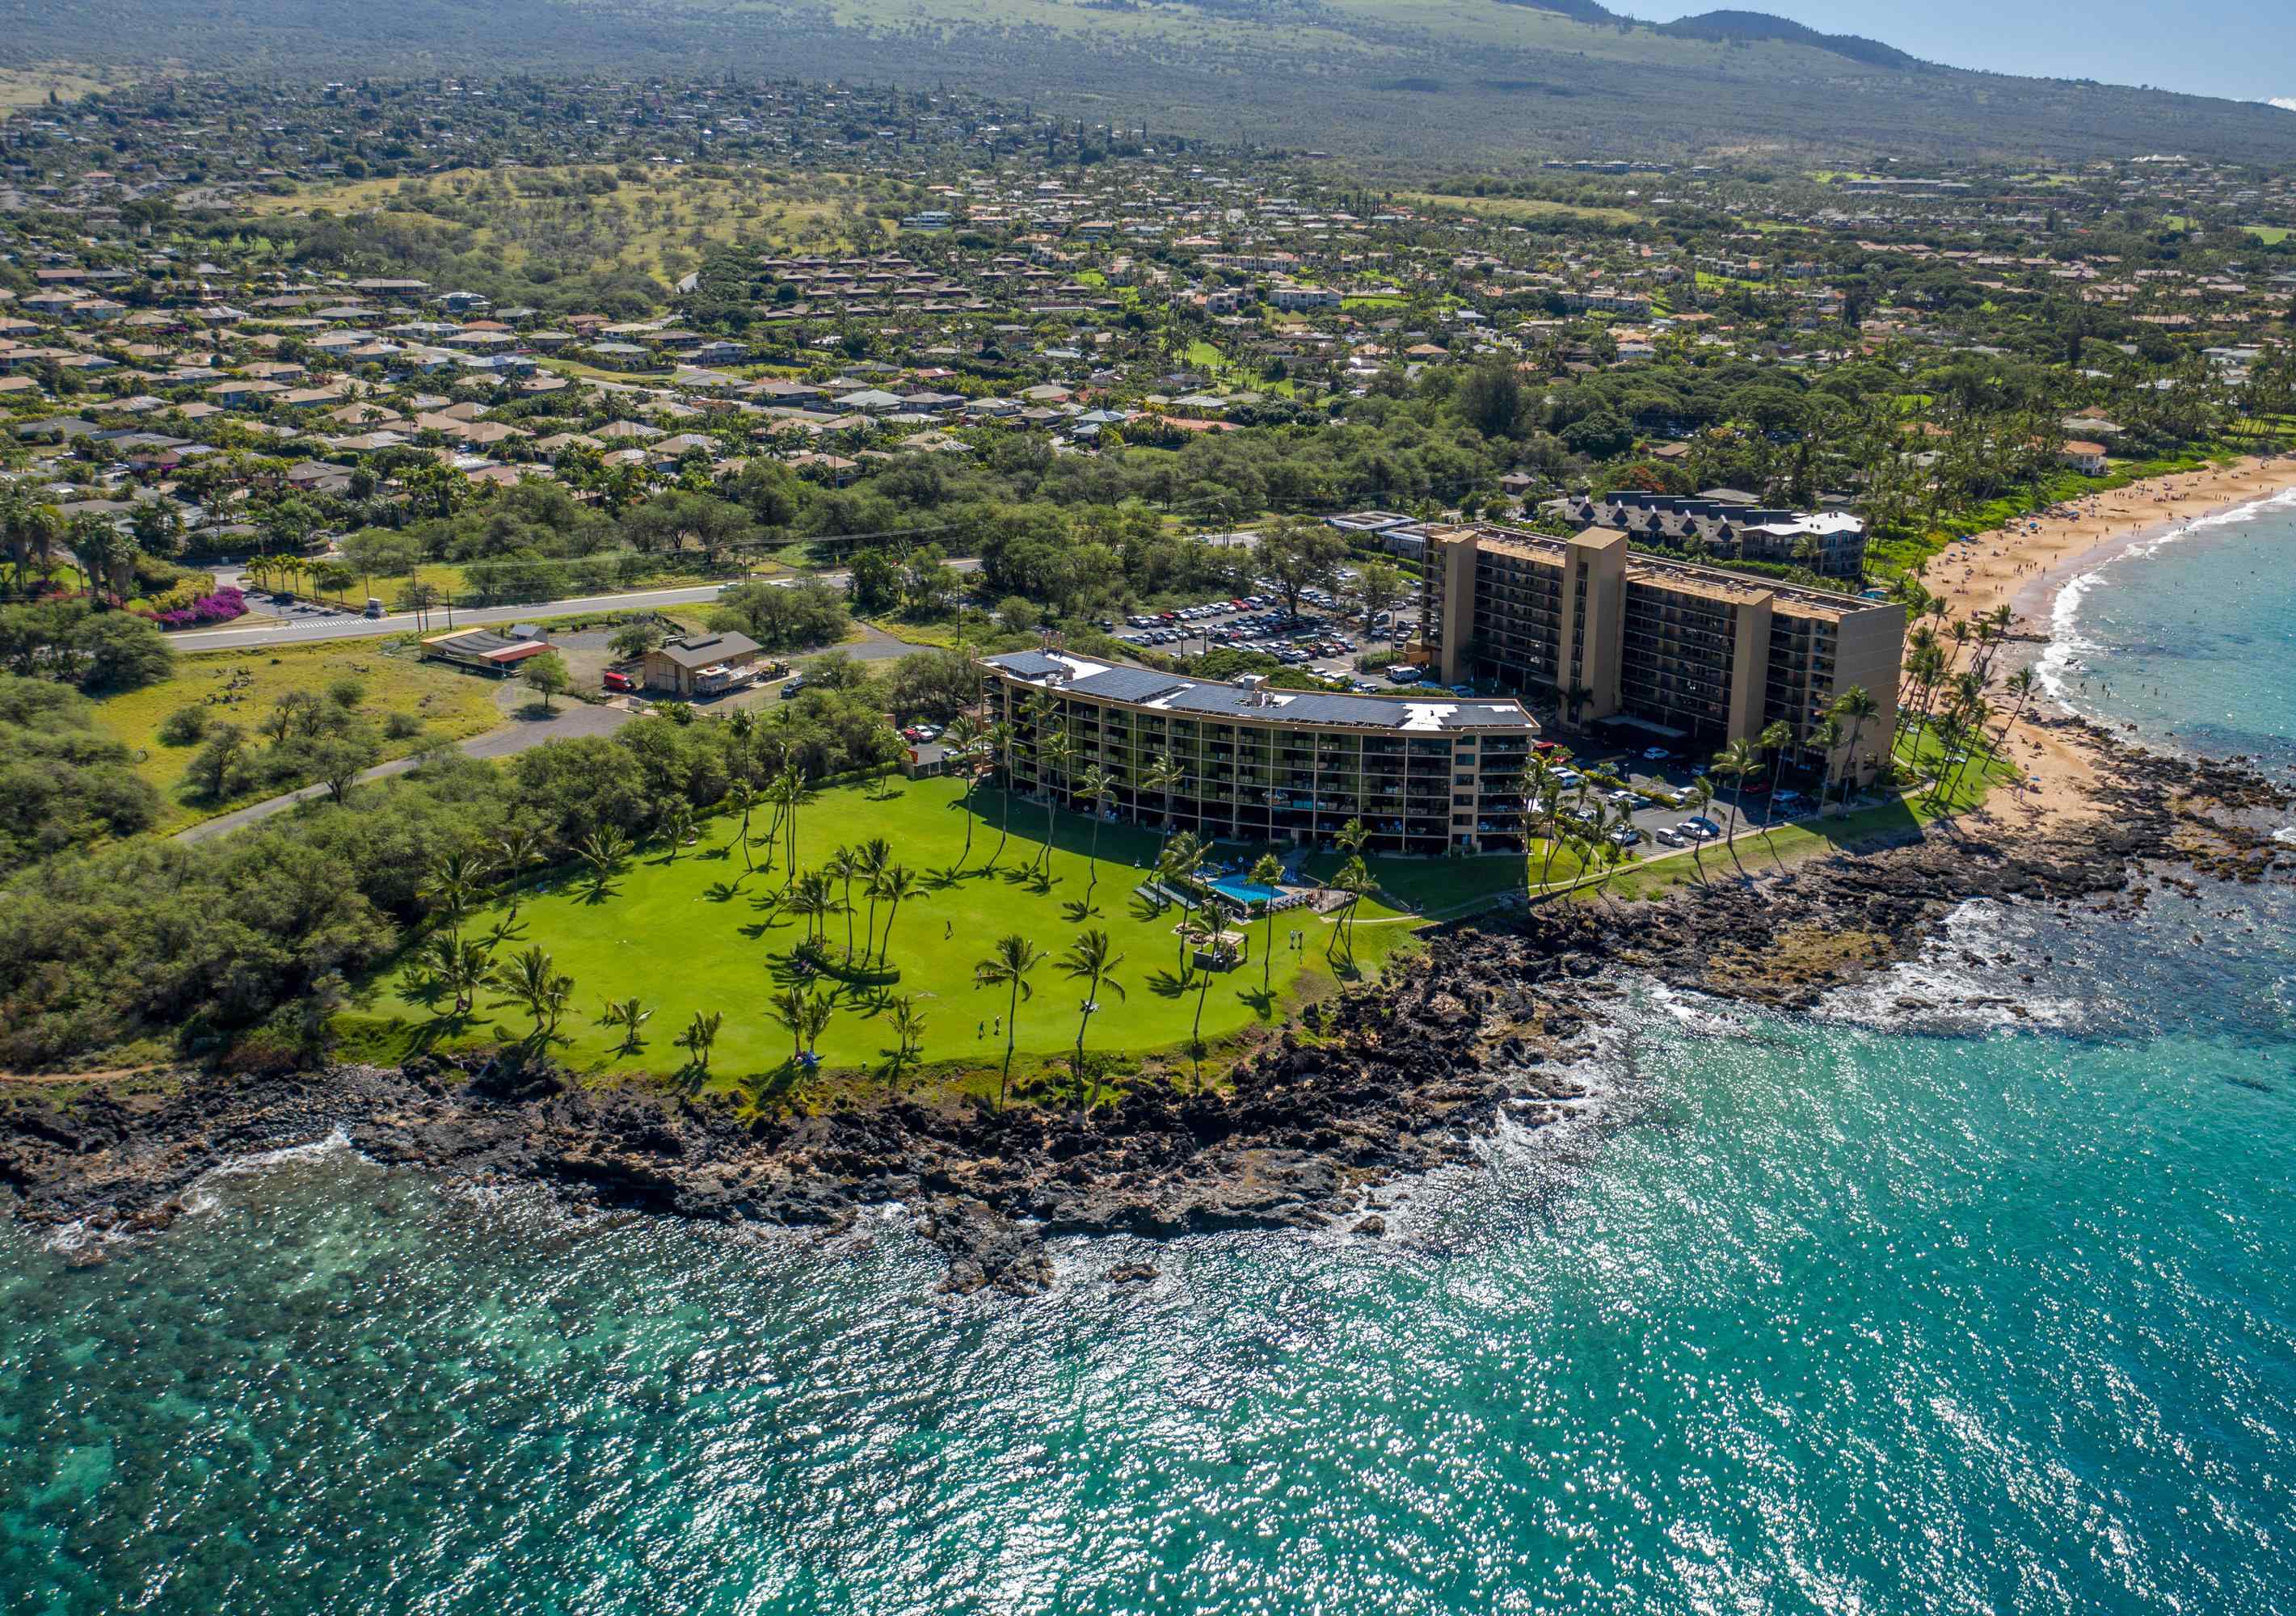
1299,556
546,675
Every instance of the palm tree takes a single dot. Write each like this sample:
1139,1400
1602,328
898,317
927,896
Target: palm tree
1056,756
458,967
908,1035
1267,870
1000,736
1825,736
701,1034
813,1020
1354,879
604,851
1163,777
451,887
1733,763
530,979
843,865
2021,685
517,849
791,792
742,797
870,863
628,1015
1089,960
962,737
677,826
895,886
1182,858
1609,852
809,898
1009,965
1701,793
1859,709
790,1008
1098,788
1776,740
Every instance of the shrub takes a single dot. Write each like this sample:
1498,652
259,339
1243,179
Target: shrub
401,725
185,727
345,693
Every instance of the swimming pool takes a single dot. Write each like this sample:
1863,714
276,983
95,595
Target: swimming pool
1243,890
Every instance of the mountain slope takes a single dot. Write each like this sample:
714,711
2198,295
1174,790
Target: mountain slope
1761,25
1409,82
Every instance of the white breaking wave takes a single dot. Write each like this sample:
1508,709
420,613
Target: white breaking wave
2061,657
1943,990
200,1196
2068,646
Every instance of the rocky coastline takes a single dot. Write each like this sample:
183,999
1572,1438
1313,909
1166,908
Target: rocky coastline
1391,1080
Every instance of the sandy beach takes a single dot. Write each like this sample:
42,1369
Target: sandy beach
2023,565
2026,565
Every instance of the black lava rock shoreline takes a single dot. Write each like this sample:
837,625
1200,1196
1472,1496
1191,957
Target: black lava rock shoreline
1391,1080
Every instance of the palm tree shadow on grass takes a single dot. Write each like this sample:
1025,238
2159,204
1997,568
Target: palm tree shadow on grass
1144,908
1077,911
1170,985
1262,1001
723,891
788,970
600,893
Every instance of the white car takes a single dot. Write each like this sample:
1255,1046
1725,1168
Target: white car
1656,754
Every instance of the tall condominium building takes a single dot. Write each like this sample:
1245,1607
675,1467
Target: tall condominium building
1258,764
1691,654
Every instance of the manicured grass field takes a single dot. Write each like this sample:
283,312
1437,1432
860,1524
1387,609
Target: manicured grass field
453,706
696,933
1436,886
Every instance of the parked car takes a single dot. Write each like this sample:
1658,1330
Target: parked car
1656,754
1671,838
1625,836
1705,829
616,679
792,685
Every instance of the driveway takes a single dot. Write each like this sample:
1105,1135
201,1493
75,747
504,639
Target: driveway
518,732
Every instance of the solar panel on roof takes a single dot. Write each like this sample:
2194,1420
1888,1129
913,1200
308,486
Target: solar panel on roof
1028,664
1467,717
1127,684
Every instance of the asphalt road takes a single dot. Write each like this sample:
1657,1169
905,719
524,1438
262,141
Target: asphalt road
303,627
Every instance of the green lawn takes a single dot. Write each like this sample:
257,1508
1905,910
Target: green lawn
1435,887
697,934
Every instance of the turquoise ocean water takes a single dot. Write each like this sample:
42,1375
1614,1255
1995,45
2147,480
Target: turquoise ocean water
1967,1294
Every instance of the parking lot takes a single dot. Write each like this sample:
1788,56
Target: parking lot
1325,638
1655,819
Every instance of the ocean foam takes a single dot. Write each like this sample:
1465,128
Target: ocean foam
2067,646
1949,994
